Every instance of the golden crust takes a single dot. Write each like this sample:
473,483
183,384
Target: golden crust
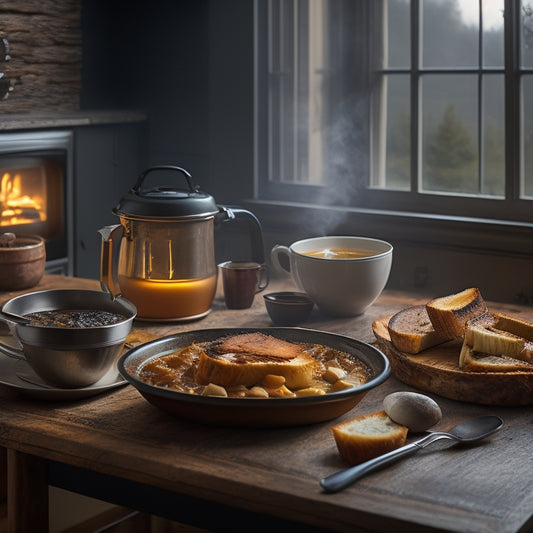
256,344
368,436
514,325
230,370
450,314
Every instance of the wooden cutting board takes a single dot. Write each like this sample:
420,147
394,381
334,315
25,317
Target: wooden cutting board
436,370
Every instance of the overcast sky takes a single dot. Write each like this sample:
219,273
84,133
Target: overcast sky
492,12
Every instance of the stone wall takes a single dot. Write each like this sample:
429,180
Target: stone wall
43,41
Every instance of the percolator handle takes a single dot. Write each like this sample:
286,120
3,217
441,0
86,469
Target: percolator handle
137,187
254,226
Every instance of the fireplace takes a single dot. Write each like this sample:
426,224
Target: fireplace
35,191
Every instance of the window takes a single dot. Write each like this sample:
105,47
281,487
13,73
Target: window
419,106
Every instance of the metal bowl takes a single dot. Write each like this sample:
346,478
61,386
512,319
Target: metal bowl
64,356
254,412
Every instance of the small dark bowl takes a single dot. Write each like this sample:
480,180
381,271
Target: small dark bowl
288,308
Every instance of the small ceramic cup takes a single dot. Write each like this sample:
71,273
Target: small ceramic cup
288,308
22,261
242,280
343,275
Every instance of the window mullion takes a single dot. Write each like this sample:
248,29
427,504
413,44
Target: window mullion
480,96
415,95
513,123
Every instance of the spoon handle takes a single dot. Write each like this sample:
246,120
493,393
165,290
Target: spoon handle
343,478
10,317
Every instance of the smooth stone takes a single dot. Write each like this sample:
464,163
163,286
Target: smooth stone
416,411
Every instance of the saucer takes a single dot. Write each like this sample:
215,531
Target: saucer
18,375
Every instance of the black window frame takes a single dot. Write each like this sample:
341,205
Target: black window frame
512,211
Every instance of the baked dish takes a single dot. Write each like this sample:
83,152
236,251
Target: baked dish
262,377
255,365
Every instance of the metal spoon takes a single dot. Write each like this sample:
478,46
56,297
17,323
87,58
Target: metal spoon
6,316
466,432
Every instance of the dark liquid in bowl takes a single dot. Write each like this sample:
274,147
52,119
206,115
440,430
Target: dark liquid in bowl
65,318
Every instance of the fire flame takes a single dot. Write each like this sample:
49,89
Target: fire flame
16,207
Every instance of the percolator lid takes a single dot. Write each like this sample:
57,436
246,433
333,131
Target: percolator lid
164,201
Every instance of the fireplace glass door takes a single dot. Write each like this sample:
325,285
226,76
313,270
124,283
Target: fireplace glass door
33,194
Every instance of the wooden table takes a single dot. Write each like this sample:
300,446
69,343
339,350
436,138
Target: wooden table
118,447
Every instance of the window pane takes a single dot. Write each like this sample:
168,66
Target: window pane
392,165
299,90
527,141
493,182
450,33
527,33
397,13
493,33
449,133
282,78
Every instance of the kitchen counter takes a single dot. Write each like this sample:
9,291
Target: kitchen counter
117,447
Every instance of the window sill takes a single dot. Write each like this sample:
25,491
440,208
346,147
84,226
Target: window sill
494,237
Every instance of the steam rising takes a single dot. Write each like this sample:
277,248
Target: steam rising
344,168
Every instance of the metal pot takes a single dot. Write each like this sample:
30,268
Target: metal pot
64,356
166,255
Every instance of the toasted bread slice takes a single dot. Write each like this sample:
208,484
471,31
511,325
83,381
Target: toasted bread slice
368,436
449,314
471,361
485,320
492,341
497,334
411,330
257,344
514,325
246,360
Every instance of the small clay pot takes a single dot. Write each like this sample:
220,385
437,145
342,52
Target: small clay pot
22,261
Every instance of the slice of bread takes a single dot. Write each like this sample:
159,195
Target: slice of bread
514,325
256,344
471,361
368,436
246,360
500,335
492,341
411,330
449,314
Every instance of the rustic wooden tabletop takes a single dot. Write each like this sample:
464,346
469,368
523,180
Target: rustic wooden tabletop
275,472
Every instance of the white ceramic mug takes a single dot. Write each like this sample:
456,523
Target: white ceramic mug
339,287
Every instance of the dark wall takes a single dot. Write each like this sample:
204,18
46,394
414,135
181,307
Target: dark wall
189,65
